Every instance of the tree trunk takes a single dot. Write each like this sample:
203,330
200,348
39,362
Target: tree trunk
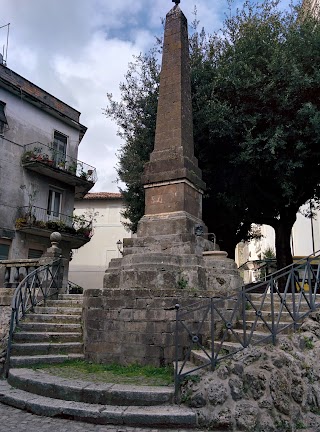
283,229
283,237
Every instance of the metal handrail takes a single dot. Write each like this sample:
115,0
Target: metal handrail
34,215
292,291
39,285
48,155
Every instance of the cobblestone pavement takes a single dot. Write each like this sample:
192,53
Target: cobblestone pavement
15,420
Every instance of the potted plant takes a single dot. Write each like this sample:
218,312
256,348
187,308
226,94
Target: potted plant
21,222
72,168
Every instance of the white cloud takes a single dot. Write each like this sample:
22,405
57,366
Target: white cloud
79,51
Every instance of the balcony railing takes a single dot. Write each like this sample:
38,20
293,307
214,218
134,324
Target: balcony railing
36,217
48,156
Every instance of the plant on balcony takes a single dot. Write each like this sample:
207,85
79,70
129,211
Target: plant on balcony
72,168
70,230
56,225
40,224
85,232
21,222
62,165
45,158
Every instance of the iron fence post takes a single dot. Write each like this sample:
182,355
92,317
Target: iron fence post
212,334
244,326
312,304
272,310
176,372
293,293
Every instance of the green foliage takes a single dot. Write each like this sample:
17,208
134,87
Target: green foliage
269,254
191,378
256,105
135,116
300,425
308,343
182,282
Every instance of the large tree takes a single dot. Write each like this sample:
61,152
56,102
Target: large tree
256,102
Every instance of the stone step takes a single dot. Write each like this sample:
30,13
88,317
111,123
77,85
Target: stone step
67,319
285,316
65,303
257,336
19,361
32,349
48,327
186,367
266,305
260,325
43,384
152,416
199,357
58,310
48,337
78,297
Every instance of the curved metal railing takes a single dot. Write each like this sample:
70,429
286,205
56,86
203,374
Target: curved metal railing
253,315
39,285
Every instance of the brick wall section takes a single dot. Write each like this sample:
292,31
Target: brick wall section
12,79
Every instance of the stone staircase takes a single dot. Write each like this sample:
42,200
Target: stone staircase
50,334
53,334
261,333
51,396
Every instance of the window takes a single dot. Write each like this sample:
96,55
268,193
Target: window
54,204
3,119
59,147
4,251
34,253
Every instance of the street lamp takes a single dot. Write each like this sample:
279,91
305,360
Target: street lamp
119,246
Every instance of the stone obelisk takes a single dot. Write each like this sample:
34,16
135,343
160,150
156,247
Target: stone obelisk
132,318
172,178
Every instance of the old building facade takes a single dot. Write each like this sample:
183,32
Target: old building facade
39,171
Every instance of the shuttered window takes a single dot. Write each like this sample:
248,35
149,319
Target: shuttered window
34,253
4,251
3,118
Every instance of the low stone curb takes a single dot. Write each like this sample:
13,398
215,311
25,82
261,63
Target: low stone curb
40,383
154,416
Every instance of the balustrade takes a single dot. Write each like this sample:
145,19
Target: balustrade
13,271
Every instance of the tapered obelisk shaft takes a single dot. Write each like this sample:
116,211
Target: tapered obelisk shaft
172,178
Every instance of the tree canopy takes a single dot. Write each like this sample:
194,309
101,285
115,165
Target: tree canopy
256,106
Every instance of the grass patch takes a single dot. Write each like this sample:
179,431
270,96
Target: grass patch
110,373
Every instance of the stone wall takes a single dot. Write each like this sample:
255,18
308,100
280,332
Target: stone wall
265,389
5,314
136,325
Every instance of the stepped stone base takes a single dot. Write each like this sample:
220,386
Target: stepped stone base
136,324
213,271
132,319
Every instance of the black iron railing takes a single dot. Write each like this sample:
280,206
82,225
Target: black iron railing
50,156
32,216
217,328
39,285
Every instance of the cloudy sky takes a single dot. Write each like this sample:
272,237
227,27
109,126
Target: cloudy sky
79,50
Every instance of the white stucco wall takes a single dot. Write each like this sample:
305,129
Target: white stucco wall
305,239
28,123
91,261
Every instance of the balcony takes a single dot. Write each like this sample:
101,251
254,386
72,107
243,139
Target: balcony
41,222
45,160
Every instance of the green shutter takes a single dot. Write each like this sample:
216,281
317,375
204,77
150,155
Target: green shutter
34,253
4,251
